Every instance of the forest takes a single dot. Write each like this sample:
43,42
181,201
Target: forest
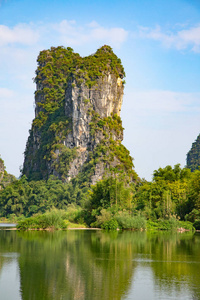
170,201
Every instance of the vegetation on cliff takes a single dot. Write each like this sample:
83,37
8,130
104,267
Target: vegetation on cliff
193,156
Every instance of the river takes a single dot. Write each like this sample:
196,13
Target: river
97,265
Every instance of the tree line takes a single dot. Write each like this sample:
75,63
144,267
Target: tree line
172,195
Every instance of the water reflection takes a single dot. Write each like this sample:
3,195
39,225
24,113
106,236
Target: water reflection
9,276
99,265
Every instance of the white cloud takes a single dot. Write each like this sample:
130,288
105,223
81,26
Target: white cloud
22,33
93,24
5,93
182,39
161,102
72,34
66,31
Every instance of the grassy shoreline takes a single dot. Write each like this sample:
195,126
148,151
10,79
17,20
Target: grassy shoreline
74,218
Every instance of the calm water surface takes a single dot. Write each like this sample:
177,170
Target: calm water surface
95,265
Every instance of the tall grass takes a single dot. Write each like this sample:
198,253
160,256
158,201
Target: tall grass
53,219
126,221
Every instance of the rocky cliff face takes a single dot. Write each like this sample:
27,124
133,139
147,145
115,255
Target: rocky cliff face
77,131
193,156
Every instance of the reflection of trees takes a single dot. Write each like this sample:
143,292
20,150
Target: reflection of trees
178,262
98,265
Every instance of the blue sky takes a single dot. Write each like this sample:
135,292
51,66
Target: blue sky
159,45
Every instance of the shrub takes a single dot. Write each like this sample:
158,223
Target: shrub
197,224
193,215
126,221
162,224
73,213
50,220
110,225
105,216
171,224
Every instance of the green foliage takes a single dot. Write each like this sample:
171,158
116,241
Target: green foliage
111,191
126,221
167,195
110,225
108,149
53,132
194,191
163,224
28,198
170,224
193,215
5,178
53,219
74,214
170,174
197,224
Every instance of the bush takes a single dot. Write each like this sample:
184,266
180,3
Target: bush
110,225
73,213
193,215
53,219
171,224
162,224
126,221
105,216
197,224
186,225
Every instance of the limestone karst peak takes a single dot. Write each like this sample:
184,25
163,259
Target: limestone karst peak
77,130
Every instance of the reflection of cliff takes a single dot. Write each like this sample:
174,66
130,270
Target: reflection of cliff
102,267
77,265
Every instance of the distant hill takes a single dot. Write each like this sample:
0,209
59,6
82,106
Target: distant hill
193,156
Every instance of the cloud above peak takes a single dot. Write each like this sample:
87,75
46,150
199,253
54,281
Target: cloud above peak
72,34
66,32
181,39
